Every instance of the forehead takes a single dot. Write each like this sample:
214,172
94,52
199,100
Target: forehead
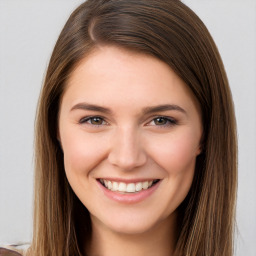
115,75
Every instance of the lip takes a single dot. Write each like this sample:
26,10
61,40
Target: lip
126,181
128,198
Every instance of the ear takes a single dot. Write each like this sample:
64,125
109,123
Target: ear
59,139
201,145
199,150
58,134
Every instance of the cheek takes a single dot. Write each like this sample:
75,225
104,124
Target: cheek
176,154
179,164
81,152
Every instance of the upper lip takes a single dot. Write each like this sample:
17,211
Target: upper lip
127,180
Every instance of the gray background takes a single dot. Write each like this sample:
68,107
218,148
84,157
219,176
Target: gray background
28,31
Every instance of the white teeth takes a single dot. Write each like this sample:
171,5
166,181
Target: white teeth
109,185
128,188
121,187
138,186
145,185
115,186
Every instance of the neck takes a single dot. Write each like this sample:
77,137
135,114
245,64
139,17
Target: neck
159,240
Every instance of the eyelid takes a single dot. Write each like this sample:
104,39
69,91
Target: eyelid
171,121
84,120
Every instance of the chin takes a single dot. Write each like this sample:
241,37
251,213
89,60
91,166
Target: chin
131,223
131,228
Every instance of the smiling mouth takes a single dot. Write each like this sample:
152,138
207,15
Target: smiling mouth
127,187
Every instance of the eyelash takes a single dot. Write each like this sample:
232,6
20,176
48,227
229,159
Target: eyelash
86,120
168,121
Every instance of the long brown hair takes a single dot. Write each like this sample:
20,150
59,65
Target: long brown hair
171,32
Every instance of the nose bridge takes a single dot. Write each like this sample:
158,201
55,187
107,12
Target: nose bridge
127,148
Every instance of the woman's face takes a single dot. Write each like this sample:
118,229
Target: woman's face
130,130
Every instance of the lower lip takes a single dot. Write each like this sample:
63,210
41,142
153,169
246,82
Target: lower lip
129,198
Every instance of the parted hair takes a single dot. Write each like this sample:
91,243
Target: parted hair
173,33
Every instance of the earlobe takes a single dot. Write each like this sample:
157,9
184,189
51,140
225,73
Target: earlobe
58,135
198,151
60,144
199,148
59,140
201,145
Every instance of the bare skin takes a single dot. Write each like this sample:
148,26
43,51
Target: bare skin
128,118
108,243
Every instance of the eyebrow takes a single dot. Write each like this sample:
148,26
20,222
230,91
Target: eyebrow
161,108
92,107
146,110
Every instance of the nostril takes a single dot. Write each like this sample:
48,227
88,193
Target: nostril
127,162
127,150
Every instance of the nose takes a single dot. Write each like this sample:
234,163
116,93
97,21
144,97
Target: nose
127,151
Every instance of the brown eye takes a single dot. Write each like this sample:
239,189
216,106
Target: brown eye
93,120
96,121
160,121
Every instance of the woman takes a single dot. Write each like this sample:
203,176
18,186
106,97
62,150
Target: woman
135,136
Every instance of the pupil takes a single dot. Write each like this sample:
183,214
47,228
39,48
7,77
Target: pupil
96,120
160,120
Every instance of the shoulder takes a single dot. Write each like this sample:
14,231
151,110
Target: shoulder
7,252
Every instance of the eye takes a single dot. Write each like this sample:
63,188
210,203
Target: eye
162,121
93,120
